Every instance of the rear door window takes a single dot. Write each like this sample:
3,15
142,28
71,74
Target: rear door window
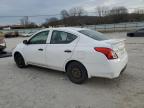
60,37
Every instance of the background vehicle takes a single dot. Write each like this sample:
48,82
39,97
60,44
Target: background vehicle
139,32
26,34
11,34
2,44
81,53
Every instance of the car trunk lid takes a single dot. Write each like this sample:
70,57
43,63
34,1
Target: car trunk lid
118,45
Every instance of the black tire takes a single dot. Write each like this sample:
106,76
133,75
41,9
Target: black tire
132,35
19,60
76,72
1,51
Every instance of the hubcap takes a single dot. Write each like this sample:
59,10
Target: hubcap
76,73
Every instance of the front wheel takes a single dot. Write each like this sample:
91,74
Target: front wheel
19,60
77,73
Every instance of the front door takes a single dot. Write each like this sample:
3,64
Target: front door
36,47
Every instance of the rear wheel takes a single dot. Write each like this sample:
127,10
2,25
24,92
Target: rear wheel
19,60
77,73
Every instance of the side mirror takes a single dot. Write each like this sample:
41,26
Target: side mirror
25,42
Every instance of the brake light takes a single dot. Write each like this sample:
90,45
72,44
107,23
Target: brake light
109,53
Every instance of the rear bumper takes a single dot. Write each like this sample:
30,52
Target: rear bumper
111,69
118,66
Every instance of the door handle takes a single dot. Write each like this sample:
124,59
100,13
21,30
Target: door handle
40,49
68,51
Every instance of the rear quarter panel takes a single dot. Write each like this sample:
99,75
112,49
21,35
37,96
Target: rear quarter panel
85,54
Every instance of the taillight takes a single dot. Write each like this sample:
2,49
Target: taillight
109,53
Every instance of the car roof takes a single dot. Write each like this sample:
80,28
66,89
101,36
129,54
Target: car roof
67,28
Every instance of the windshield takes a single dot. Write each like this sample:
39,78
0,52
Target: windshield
94,35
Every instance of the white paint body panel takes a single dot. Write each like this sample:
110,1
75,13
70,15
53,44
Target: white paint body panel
82,48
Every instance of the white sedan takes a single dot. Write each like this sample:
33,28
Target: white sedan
80,52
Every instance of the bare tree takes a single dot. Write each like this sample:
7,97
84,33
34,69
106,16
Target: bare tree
99,11
77,11
52,19
24,20
139,11
102,11
118,10
48,21
64,14
119,14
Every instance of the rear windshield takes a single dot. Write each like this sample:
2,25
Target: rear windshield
94,35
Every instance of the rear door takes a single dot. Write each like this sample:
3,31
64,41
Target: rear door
60,49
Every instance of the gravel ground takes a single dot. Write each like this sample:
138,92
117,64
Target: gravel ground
35,87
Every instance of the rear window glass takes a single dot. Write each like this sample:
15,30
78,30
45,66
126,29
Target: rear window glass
94,35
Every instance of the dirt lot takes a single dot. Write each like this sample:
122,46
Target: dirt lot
35,87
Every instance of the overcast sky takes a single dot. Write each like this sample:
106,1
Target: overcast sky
42,7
